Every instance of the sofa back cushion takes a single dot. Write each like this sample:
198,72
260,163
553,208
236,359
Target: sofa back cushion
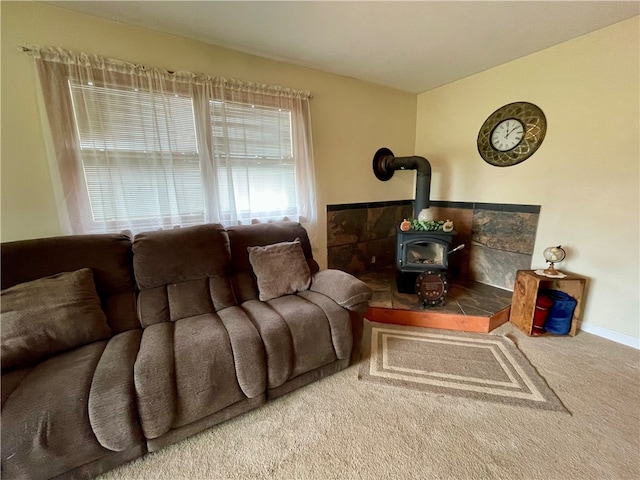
182,273
242,237
108,256
48,316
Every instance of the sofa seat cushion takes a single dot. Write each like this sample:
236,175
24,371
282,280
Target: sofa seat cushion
339,322
112,399
155,381
297,335
191,368
50,315
204,367
278,345
45,421
11,380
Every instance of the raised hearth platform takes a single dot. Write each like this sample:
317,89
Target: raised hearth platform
470,306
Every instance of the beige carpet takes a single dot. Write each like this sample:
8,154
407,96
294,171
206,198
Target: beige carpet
343,428
471,365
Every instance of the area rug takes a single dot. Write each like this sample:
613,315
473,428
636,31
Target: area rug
476,366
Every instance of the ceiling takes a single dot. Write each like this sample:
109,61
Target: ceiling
412,46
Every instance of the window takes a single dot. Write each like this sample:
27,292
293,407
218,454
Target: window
139,148
255,163
139,155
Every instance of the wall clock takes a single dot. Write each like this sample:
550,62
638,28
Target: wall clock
512,134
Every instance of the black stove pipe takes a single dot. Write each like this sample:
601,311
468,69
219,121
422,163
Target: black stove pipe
385,164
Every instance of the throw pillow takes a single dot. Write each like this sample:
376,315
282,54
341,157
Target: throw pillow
280,269
50,315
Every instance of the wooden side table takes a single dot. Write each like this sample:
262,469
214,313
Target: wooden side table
525,294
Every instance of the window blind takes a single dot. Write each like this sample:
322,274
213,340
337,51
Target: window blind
255,162
139,154
129,119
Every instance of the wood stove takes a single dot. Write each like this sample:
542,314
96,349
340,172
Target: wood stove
420,251
422,256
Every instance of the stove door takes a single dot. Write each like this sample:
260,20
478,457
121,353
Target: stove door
425,254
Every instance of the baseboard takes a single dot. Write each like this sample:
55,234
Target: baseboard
627,340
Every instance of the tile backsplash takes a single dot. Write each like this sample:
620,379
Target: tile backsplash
361,237
498,238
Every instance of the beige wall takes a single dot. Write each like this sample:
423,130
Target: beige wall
586,173
351,119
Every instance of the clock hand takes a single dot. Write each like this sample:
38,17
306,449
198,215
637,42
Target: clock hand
509,131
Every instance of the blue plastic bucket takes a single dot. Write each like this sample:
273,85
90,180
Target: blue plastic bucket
561,312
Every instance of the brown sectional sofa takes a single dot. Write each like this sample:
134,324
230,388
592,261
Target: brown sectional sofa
174,340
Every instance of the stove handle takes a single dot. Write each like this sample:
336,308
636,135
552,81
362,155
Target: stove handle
459,247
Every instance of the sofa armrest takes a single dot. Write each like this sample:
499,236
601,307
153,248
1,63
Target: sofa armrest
343,288
112,410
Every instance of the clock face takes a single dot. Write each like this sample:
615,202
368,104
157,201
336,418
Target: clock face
507,135
512,134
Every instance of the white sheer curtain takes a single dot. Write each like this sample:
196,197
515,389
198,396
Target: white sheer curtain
140,148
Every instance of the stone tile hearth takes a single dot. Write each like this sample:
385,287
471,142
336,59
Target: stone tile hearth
469,305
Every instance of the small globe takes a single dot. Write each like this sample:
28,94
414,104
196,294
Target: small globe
554,254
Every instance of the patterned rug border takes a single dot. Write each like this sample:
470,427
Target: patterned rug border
550,399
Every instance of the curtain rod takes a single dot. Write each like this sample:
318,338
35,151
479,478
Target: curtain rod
31,49
26,49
